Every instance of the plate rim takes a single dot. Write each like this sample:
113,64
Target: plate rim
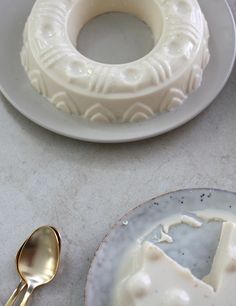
121,138
126,216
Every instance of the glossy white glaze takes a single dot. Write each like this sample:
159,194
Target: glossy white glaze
158,82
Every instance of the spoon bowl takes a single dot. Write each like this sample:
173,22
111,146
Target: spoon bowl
22,284
38,260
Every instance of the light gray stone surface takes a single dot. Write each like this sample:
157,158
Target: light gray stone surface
84,188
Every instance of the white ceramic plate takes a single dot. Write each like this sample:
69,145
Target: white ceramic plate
17,89
192,248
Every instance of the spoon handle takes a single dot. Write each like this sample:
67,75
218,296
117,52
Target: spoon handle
15,294
27,296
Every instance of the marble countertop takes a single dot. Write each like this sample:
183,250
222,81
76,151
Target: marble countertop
83,188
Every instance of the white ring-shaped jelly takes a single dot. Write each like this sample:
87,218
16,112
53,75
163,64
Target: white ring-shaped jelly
131,92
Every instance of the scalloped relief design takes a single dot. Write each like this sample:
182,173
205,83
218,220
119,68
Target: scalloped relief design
100,79
195,79
179,8
99,113
205,48
48,40
63,102
174,98
25,32
51,56
184,30
159,69
25,57
205,55
38,82
47,56
25,49
138,112
53,9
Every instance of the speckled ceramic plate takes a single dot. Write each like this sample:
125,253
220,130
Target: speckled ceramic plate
17,89
197,257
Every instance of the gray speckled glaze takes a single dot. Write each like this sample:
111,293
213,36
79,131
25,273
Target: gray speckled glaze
195,251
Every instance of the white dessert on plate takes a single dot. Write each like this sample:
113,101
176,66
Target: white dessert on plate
132,92
160,281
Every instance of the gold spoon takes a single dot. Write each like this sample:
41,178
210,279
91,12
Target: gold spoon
22,284
38,261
